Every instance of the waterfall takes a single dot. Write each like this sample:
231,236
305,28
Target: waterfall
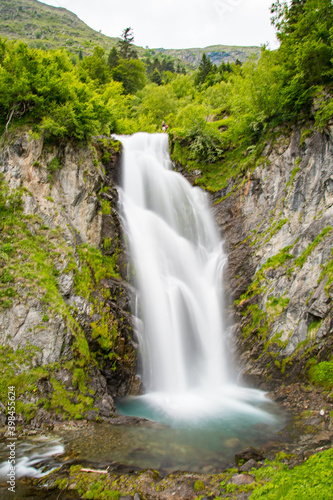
178,262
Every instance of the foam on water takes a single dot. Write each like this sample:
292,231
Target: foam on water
32,458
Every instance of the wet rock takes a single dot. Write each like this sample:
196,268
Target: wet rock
106,406
322,439
239,479
248,454
136,496
248,466
92,415
126,497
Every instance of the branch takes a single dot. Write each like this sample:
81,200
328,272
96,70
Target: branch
10,117
96,471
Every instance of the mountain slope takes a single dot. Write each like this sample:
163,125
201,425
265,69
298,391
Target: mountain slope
43,26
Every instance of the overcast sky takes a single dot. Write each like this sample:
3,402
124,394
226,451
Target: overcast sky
179,24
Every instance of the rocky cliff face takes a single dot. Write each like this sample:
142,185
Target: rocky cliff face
64,307
277,224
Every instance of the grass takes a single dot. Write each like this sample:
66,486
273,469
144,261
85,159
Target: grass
300,261
312,480
46,27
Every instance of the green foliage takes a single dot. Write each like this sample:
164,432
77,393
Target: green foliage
307,64
205,67
131,73
95,66
157,103
325,109
313,480
322,374
54,165
47,90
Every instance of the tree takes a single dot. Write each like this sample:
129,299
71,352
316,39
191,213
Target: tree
305,30
156,77
113,58
125,45
45,89
132,74
205,68
96,67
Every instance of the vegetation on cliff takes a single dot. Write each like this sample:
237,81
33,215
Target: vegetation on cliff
224,122
216,113
52,351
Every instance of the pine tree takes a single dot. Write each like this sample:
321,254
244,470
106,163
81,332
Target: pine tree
125,45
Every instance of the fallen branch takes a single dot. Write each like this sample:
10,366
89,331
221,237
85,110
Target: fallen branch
96,471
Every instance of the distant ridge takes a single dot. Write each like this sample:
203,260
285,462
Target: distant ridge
216,53
47,27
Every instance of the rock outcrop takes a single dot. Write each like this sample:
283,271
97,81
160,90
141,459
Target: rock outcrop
277,224
66,293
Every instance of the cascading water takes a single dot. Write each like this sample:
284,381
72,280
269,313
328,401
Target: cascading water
178,260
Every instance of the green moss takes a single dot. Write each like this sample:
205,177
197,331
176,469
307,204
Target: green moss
278,260
61,400
269,233
303,257
17,369
327,272
257,320
276,228
106,207
199,485
95,267
305,134
294,172
276,305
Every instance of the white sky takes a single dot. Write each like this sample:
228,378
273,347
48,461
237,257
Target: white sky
179,24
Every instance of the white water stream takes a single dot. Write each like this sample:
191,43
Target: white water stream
178,261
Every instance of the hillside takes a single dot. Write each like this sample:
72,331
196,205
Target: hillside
43,26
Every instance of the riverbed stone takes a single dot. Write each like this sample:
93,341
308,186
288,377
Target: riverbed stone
250,464
247,454
240,479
